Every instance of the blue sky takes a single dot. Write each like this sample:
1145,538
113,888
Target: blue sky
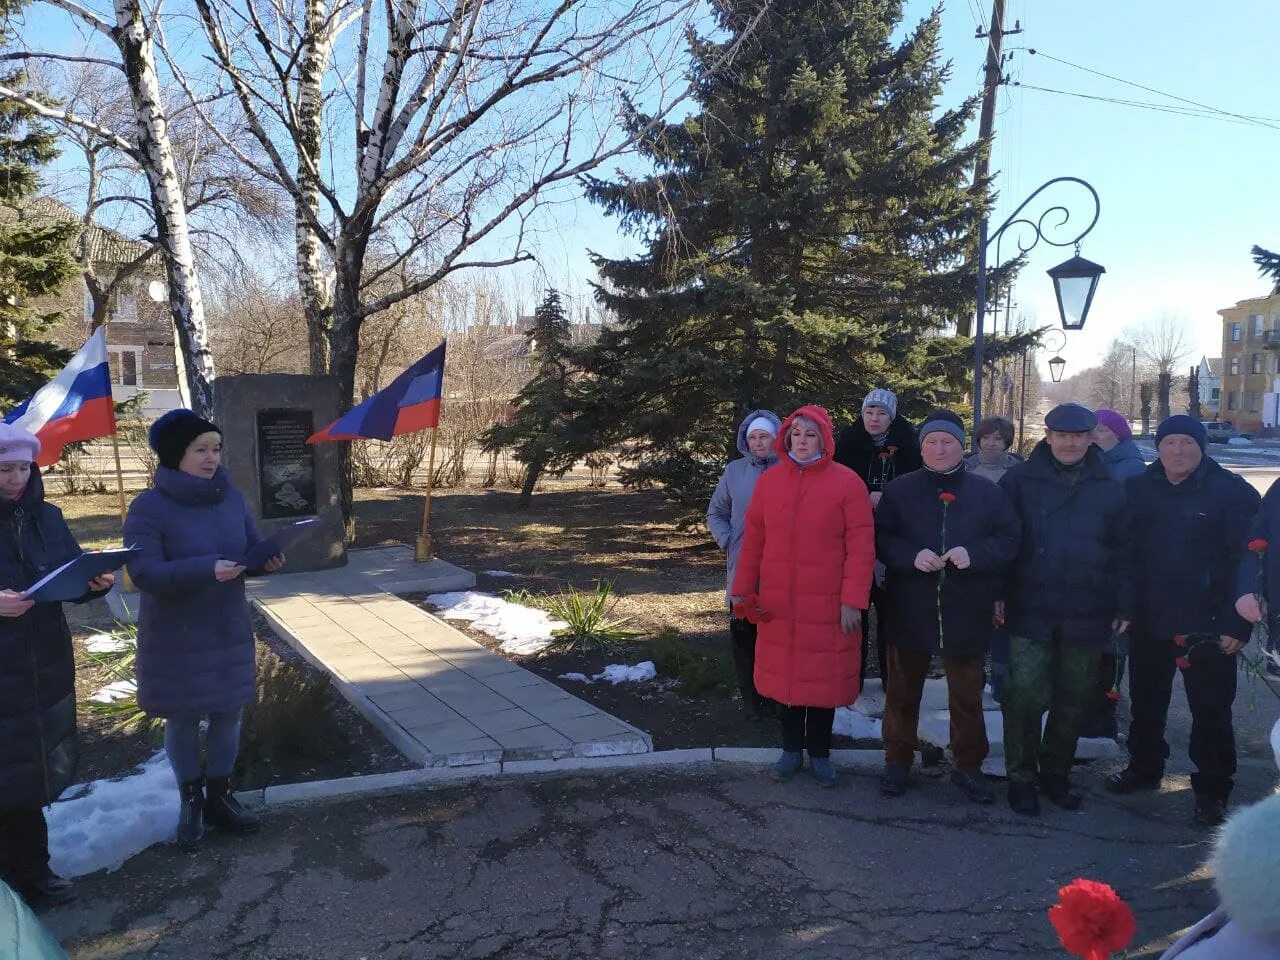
1183,198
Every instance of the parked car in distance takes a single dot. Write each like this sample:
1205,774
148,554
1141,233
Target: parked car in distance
1219,431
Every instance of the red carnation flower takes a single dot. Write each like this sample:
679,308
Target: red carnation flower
1184,663
1257,545
947,497
892,448
884,454
1092,922
1179,640
1113,694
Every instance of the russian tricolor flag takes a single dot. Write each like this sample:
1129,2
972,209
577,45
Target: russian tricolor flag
411,402
74,405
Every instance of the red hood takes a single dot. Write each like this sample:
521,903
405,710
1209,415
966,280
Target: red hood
819,416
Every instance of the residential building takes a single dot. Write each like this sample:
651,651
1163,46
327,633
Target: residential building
1250,390
1209,376
140,334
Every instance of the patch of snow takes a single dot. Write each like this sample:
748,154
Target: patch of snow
522,630
851,722
500,573
106,643
616,673
935,728
116,690
1239,442
112,820
871,700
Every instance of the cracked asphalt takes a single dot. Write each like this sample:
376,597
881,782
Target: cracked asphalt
702,862
710,862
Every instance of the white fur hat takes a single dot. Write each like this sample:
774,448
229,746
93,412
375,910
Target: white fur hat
1246,867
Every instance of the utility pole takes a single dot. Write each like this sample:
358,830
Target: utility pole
994,76
1133,386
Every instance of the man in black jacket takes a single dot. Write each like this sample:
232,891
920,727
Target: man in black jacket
879,447
1066,592
945,536
1190,518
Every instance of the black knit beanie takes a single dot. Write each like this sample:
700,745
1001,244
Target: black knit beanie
170,436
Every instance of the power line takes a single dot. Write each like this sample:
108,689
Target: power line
1159,93
1204,114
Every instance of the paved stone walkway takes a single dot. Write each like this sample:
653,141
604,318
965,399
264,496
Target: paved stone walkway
440,697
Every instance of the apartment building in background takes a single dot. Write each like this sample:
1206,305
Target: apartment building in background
1250,391
140,334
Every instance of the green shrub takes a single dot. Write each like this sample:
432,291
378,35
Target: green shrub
697,672
592,627
291,720
123,713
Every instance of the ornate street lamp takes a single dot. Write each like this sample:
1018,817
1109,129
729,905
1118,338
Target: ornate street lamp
1074,282
1056,366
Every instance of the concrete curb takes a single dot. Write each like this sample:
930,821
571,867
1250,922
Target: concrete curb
406,781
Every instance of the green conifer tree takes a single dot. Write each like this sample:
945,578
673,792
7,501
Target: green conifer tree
35,254
806,232
537,432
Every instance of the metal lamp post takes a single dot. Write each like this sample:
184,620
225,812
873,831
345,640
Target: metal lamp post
1074,281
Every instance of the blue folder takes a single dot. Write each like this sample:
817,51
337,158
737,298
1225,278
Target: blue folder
264,550
71,580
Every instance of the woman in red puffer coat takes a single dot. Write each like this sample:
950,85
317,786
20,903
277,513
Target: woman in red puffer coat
804,574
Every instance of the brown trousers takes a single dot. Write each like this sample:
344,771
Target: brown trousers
908,669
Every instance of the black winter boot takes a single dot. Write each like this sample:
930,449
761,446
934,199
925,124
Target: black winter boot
223,810
50,890
1024,799
191,816
1059,791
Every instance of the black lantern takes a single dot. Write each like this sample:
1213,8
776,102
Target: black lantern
1075,282
1056,366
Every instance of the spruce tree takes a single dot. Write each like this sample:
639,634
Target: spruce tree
806,232
35,254
539,431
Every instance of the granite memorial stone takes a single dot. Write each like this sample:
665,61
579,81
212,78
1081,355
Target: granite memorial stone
265,421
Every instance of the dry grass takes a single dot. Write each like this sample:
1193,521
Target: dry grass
572,534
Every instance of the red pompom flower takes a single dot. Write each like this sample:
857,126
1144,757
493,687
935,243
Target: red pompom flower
1184,663
947,497
1091,920
1179,640
1257,545
1113,694
892,448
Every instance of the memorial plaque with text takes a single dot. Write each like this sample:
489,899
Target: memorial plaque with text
286,465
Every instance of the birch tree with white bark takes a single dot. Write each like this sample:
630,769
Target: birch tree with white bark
424,137
122,38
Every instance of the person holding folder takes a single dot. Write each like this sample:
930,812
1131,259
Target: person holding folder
37,672
196,656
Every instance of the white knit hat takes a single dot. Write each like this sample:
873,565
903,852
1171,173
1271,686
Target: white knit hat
762,423
17,445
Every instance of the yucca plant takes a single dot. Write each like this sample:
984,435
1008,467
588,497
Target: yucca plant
123,713
589,615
